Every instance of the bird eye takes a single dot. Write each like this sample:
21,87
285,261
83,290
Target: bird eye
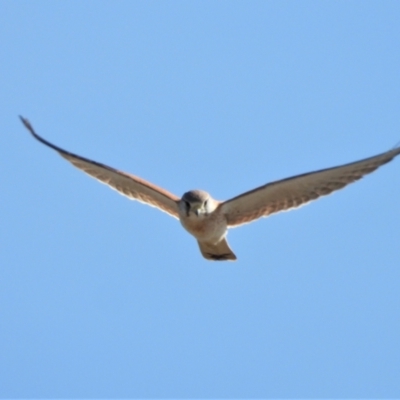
205,203
187,205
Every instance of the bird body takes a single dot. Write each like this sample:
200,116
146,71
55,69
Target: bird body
199,215
208,219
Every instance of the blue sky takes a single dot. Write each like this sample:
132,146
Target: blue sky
105,297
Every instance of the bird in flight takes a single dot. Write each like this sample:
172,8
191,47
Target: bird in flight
207,219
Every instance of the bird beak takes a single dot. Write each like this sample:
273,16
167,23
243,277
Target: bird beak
197,209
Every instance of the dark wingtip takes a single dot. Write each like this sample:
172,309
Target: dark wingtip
27,124
23,120
396,146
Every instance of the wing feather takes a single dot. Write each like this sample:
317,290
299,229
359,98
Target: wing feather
128,185
298,190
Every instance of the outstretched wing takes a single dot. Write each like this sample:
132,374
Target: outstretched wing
129,185
298,190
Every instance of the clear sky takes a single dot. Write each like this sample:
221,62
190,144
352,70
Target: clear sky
101,296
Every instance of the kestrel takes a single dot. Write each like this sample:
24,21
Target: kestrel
208,219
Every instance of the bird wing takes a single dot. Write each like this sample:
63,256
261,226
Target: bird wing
298,190
128,185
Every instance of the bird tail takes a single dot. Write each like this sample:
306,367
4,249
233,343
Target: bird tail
217,251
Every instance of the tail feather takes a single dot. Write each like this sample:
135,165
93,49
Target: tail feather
217,252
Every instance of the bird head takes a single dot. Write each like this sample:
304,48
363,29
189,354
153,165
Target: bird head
197,202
